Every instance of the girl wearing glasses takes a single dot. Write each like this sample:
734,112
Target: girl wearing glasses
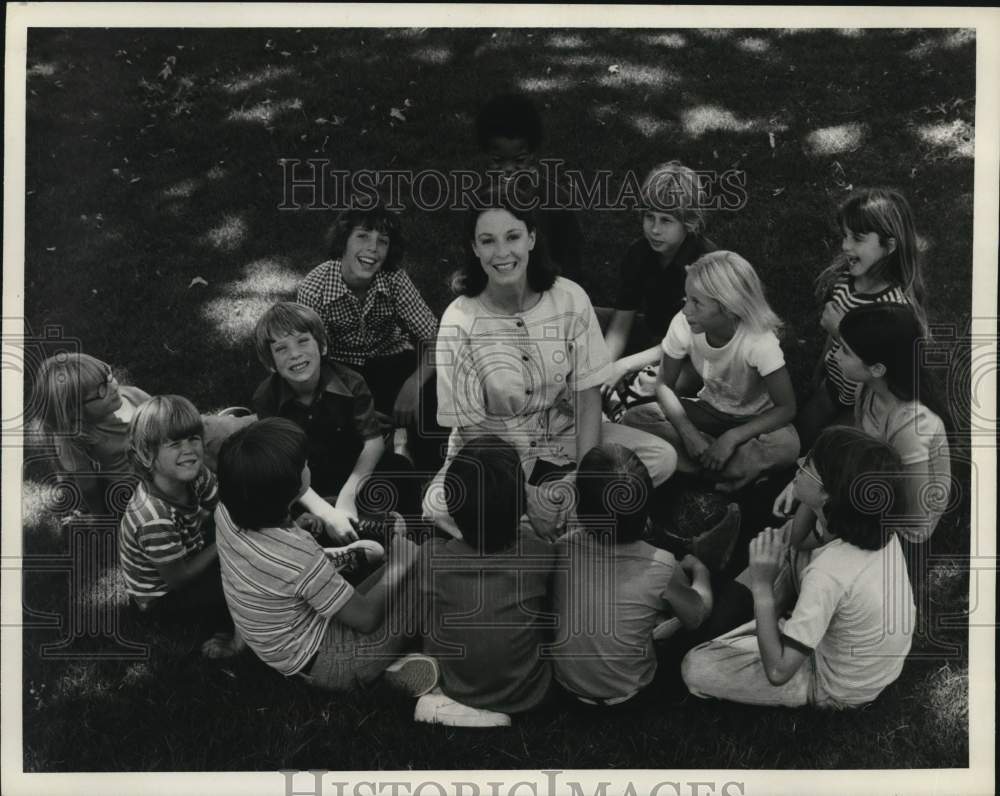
852,609
84,413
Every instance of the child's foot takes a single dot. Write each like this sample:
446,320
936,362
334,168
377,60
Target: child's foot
436,708
223,645
413,674
714,547
355,556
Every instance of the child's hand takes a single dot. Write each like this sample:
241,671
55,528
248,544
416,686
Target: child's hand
615,374
691,565
785,503
830,319
715,456
310,522
696,443
766,551
338,525
405,410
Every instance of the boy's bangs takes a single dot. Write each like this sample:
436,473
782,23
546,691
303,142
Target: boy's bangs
378,220
182,422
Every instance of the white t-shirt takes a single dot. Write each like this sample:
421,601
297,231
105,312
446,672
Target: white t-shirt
517,375
855,611
733,374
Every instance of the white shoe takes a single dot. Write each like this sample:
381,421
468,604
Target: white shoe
415,674
436,708
355,555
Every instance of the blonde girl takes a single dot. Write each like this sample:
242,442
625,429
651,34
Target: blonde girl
84,414
879,263
738,426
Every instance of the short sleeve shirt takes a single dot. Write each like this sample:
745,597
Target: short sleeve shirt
488,621
733,374
516,376
156,530
390,319
656,291
608,599
337,423
920,438
855,611
281,589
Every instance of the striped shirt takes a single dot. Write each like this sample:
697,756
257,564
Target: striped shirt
281,589
156,530
845,298
390,317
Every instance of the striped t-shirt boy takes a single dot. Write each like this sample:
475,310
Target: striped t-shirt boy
156,530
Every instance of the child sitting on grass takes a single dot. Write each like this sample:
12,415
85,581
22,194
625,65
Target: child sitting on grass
852,623
485,595
739,425
84,413
616,588
509,133
652,276
288,600
168,557
331,403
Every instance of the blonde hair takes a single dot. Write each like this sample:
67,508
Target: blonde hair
673,188
730,280
162,418
61,386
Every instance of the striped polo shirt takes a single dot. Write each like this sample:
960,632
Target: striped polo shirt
281,589
846,298
156,530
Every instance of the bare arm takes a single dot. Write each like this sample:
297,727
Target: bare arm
588,420
690,603
618,331
366,612
178,574
367,459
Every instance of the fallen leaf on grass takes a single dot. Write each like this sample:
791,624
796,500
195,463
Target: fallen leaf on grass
197,281
50,248
396,113
135,179
777,192
614,69
168,349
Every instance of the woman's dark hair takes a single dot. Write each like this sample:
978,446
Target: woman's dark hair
378,218
260,472
613,488
471,278
891,334
486,493
860,476
509,116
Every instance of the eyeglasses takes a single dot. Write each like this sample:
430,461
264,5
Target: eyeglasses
102,388
802,469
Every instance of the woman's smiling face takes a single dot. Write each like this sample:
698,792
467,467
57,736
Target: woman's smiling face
503,245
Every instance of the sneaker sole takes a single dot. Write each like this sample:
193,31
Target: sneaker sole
416,675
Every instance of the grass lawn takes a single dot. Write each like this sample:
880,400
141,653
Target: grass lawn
153,159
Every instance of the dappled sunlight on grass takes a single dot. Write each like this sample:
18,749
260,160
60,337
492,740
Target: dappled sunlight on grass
712,118
108,589
82,680
947,697
715,34
264,282
38,501
228,235
265,112
949,41
647,125
565,41
42,70
540,84
671,40
216,173
433,55
850,33
182,189
268,74
836,139
640,75
754,44
957,137
579,59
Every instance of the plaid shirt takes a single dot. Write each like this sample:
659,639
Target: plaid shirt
392,317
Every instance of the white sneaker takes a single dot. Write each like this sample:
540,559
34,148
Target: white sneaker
355,555
415,674
436,708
